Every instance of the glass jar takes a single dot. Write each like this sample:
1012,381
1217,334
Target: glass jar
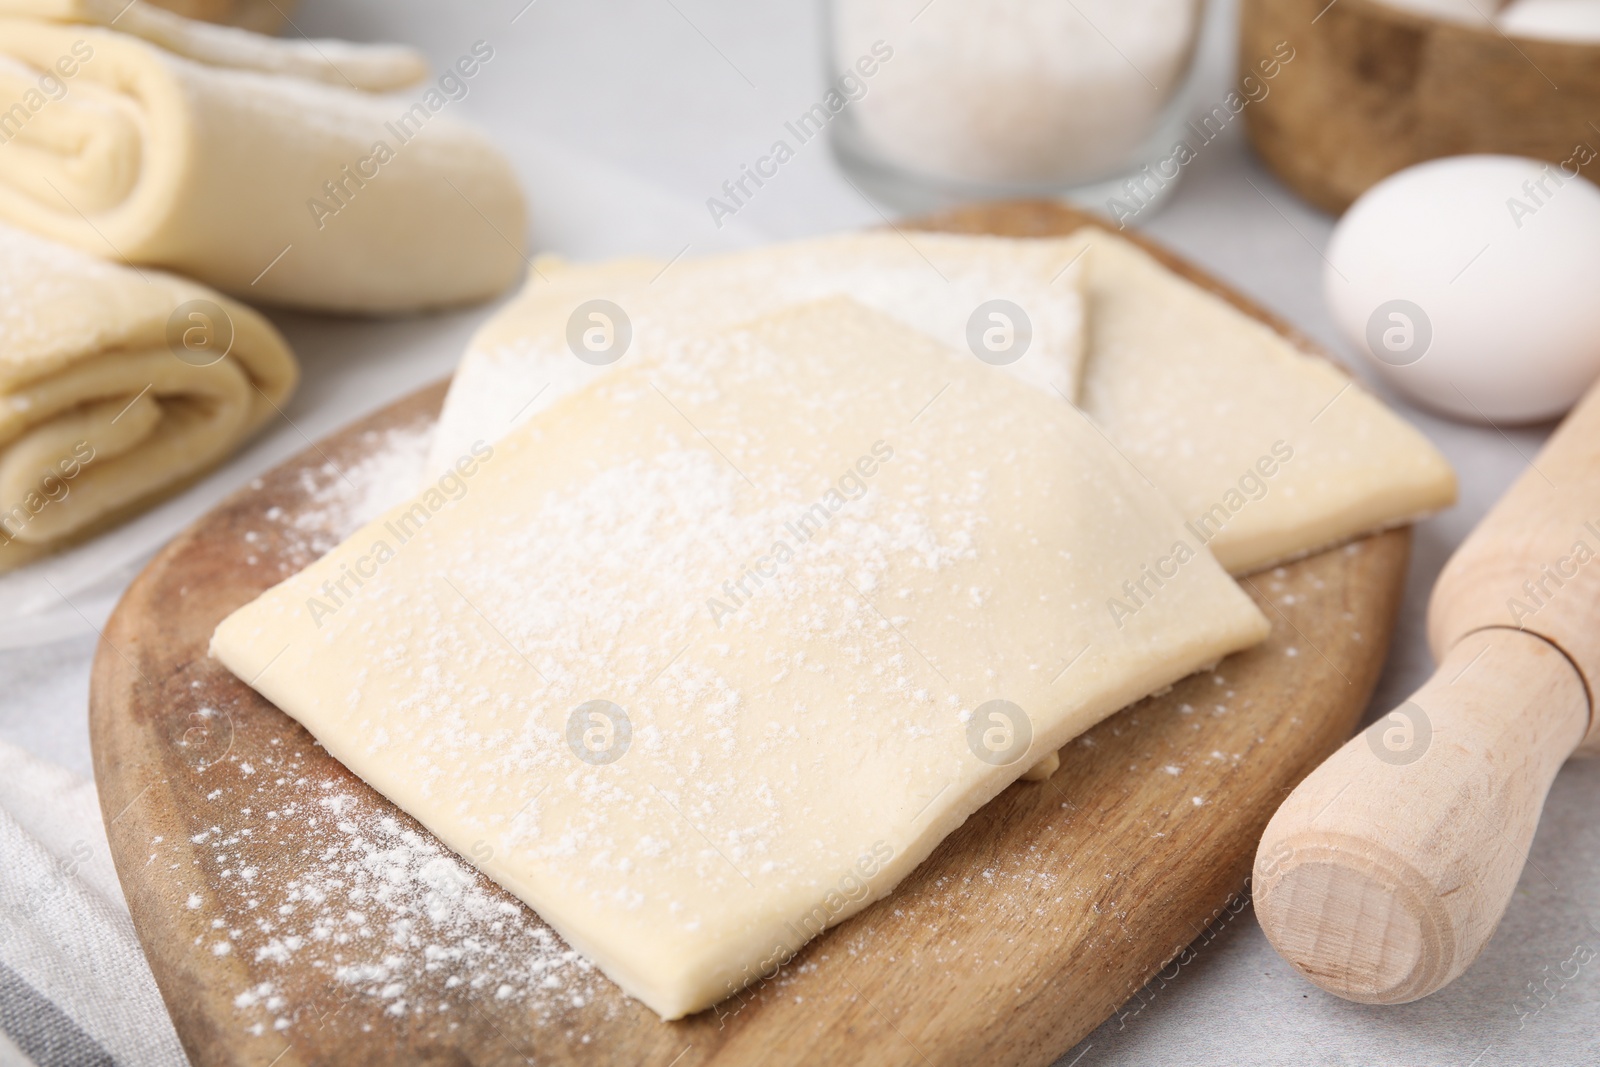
951,100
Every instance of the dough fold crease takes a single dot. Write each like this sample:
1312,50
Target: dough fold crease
116,386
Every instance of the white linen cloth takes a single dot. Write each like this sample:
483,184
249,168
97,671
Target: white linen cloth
75,989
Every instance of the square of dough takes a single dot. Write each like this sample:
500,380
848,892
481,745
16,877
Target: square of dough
524,358
1270,453
708,655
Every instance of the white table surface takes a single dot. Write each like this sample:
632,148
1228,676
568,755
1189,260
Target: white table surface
623,116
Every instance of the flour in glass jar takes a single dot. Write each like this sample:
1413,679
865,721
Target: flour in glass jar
1019,91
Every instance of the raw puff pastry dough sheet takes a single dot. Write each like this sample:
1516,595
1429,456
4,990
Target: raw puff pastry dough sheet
1269,452
794,715
523,359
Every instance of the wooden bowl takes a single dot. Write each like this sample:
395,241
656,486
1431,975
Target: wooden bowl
1372,90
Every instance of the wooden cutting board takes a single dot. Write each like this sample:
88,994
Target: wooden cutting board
293,916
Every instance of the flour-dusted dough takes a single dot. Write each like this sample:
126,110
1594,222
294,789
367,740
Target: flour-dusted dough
98,412
802,558
933,282
1270,453
207,151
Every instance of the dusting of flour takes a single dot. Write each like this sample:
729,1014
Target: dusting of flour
330,894
338,500
315,879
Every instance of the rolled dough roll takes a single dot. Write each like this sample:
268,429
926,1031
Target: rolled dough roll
115,386
523,359
263,168
708,655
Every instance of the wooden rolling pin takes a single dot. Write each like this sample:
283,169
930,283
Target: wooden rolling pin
1385,873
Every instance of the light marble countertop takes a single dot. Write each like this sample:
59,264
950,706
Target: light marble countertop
623,116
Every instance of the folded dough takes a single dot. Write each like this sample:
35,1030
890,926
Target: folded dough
116,386
265,168
522,359
1270,453
708,655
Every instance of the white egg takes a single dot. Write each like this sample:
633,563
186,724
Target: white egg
1472,284
1452,10
1552,20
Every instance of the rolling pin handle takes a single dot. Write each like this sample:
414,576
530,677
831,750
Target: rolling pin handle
1387,870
